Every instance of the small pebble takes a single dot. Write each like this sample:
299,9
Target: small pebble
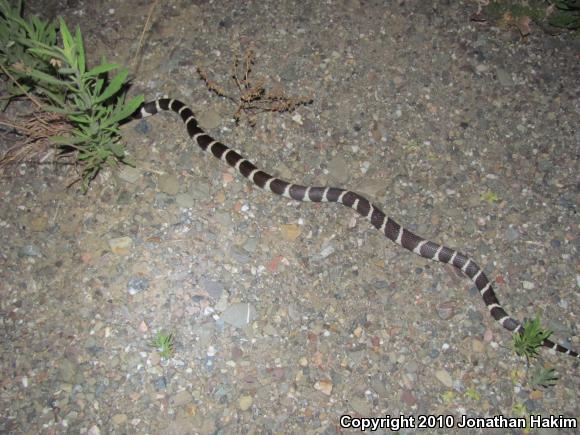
29,251
121,245
290,231
446,310
444,377
160,383
119,419
528,285
324,386
245,402
154,358
408,398
477,346
137,284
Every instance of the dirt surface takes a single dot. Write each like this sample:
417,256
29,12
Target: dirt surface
287,316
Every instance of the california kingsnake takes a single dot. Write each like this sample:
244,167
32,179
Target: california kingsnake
386,225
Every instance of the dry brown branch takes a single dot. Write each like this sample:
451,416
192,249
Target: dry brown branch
253,97
212,85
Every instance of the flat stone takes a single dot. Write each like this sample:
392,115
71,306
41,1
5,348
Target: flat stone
251,244
209,119
38,223
169,184
182,398
200,191
184,200
239,315
67,370
504,77
360,406
29,251
338,169
446,310
119,419
408,398
129,174
213,288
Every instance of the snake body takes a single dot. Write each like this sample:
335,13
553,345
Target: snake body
386,225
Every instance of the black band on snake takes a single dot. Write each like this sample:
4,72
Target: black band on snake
387,226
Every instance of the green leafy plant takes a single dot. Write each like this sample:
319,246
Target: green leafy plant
563,14
519,409
92,104
566,14
543,377
529,342
16,34
163,342
490,197
472,393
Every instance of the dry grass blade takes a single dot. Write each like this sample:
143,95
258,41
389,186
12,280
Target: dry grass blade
146,27
34,131
34,134
28,95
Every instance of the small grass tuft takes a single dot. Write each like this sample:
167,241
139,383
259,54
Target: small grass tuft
163,342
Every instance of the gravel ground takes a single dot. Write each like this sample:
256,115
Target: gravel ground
287,316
